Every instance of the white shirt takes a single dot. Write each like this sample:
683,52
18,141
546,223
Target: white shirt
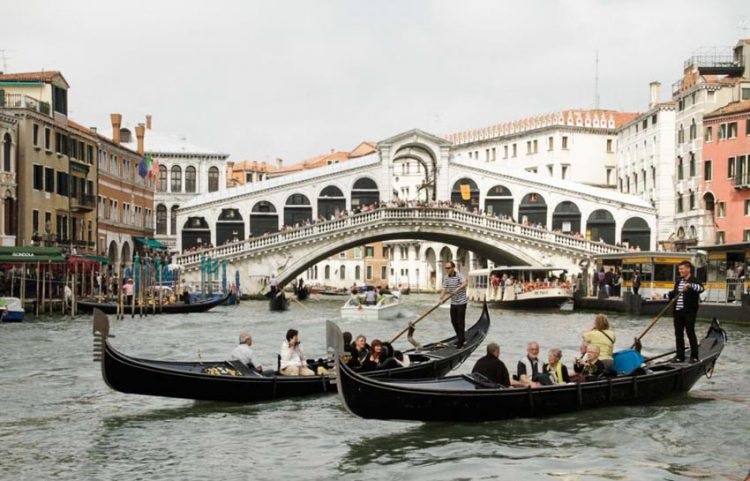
245,355
292,357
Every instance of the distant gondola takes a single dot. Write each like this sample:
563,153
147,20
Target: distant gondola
302,293
223,381
88,305
278,302
470,397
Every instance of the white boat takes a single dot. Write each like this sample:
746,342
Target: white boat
529,288
11,309
388,306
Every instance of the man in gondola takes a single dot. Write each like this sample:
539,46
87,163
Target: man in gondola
687,290
454,287
530,366
244,353
491,367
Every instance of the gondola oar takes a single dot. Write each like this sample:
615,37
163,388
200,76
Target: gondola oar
413,323
628,360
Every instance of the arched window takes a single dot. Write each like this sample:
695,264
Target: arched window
213,179
342,272
162,187
327,272
6,152
161,219
173,220
176,179
190,179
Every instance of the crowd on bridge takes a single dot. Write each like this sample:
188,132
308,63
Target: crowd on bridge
404,204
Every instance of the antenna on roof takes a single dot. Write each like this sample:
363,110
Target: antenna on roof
596,82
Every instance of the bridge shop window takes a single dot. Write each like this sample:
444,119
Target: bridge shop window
533,210
176,179
263,219
190,179
213,179
364,192
498,201
466,193
331,202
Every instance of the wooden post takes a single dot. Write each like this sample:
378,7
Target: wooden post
161,278
118,286
73,300
23,286
38,300
12,279
44,284
49,272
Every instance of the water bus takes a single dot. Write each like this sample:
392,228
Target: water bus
521,287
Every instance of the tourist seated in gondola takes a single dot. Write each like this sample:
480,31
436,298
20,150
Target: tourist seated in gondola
380,357
602,336
556,371
244,353
590,366
491,367
360,351
530,366
293,357
347,342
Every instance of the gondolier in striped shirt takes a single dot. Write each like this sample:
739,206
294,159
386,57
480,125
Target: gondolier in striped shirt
454,287
687,290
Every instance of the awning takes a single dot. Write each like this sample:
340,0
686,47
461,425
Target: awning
150,243
18,255
87,260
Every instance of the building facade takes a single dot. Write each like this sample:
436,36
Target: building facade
56,164
8,184
576,145
125,204
726,171
645,160
711,79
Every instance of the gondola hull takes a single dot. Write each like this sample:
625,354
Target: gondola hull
193,380
278,302
176,308
467,398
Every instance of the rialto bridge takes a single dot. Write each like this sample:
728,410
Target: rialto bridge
284,225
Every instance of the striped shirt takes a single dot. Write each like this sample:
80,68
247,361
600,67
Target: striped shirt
458,296
680,304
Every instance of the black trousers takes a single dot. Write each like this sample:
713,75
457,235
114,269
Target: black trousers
458,319
684,322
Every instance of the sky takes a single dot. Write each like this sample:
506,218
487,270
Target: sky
294,79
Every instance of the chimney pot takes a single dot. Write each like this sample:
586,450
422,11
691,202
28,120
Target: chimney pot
654,91
139,132
148,121
279,162
116,122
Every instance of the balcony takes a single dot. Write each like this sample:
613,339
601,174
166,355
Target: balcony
82,203
21,101
742,180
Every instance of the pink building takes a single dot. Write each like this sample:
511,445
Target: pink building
726,171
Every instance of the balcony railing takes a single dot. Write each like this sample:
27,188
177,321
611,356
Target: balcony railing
82,202
21,101
742,180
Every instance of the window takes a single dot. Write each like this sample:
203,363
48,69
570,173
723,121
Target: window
720,237
35,135
722,131
708,134
505,151
693,130
746,235
550,143
551,169
692,200
645,124
679,203
176,179
494,157
342,272
747,206
369,251
213,179
47,139
609,145
515,151
190,179
730,167
48,222
383,272
536,146
679,168
745,93
692,164
635,183
173,220
35,222
49,179
681,134
60,100
62,183
721,209
707,170
654,119
564,173
747,127
609,175
357,252
732,130
565,142
161,219
369,273
486,158
162,187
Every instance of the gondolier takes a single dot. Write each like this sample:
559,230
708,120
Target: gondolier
687,290
454,286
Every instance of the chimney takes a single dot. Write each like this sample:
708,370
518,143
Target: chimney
139,131
148,121
654,88
116,122
278,163
93,129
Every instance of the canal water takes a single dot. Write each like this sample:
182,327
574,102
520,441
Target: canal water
58,420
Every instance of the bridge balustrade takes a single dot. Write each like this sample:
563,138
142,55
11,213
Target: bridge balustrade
324,229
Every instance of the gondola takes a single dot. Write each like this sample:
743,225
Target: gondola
302,293
88,305
232,382
278,302
470,397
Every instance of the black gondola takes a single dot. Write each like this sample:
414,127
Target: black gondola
222,381
473,398
278,302
302,293
88,305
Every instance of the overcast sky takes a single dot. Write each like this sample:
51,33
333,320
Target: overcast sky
292,79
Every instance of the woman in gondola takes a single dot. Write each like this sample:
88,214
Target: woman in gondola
376,358
555,369
602,336
591,367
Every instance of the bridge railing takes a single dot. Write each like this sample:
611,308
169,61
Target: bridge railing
324,229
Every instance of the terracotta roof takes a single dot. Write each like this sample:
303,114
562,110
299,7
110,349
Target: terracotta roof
365,148
731,108
45,76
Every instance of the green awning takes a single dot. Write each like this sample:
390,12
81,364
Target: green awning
150,243
99,259
17,255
